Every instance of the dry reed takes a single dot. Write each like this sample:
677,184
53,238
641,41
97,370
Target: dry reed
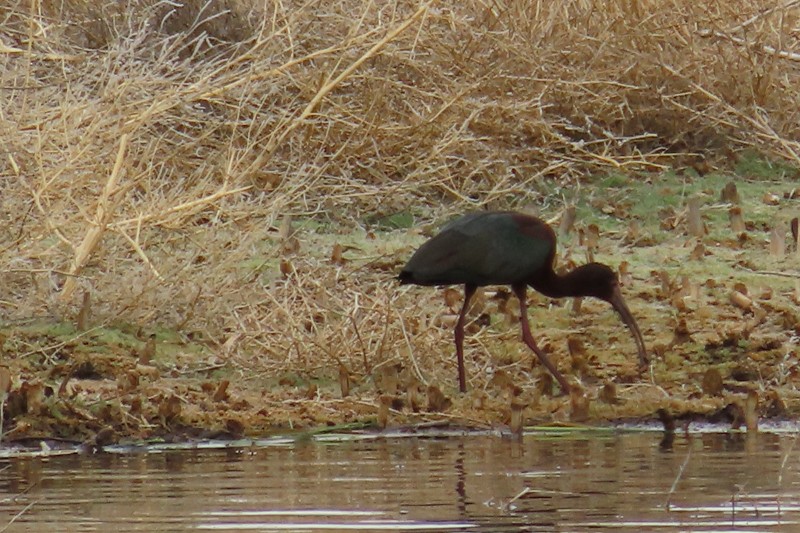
150,149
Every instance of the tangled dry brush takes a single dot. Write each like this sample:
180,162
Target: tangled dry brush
154,153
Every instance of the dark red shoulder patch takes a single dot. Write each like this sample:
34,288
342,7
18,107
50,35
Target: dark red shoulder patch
534,227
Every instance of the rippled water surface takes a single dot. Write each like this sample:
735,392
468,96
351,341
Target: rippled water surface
545,482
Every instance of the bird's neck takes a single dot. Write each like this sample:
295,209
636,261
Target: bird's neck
555,285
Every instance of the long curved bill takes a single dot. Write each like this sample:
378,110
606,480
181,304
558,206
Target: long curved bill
618,302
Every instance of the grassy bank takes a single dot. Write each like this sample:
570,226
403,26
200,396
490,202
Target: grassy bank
244,179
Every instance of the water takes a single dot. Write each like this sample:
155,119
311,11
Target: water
545,482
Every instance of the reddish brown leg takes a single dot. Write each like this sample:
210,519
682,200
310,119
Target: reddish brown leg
469,290
527,337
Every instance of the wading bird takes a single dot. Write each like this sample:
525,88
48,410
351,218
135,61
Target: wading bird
506,248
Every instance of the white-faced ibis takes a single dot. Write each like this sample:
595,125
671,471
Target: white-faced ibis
506,248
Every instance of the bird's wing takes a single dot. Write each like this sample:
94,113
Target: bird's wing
478,249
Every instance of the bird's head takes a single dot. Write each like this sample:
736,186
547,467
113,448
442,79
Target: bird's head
597,280
600,281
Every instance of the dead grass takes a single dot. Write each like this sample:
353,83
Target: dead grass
151,151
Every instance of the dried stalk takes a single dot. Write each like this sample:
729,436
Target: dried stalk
103,214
